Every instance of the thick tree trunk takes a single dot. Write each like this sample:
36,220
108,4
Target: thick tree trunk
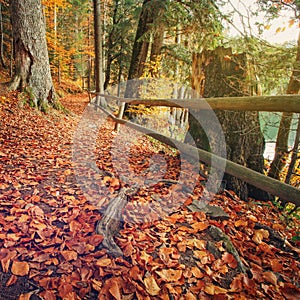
140,46
220,73
281,150
158,39
139,54
32,68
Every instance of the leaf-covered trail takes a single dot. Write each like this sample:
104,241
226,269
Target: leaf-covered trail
49,248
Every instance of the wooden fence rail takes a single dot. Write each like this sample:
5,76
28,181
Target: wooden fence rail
282,103
284,191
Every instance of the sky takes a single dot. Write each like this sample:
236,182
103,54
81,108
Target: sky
280,30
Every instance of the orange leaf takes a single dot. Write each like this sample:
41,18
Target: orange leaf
236,284
20,268
240,223
67,172
270,277
196,272
190,296
276,265
259,235
12,280
69,255
200,254
26,296
170,275
115,183
48,295
229,260
103,262
211,289
114,289
199,226
151,286
199,244
95,239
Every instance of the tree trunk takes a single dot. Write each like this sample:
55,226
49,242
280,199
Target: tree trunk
294,155
281,149
158,39
110,44
219,73
151,11
98,54
32,68
1,39
140,46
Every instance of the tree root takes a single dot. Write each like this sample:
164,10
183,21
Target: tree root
109,225
219,235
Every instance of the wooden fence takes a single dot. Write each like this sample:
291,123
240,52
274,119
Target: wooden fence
289,103
282,103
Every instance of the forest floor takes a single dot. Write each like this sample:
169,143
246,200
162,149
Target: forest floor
172,247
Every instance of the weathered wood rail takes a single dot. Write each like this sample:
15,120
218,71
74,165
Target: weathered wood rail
282,103
285,192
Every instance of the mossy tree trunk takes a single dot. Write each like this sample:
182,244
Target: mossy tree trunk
220,73
32,68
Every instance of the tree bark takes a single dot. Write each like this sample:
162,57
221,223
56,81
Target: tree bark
98,54
294,155
110,45
1,39
141,46
32,68
281,149
219,73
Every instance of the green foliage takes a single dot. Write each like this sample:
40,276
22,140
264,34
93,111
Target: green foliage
273,64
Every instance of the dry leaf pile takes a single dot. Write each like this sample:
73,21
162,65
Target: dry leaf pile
49,248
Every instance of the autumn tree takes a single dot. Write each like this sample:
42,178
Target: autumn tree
32,68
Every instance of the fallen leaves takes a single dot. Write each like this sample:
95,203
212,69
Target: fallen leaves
151,285
47,227
20,268
170,275
260,235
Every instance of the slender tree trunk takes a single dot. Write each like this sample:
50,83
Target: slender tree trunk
281,149
98,53
110,44
294,155
1,39
219,73
32,68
